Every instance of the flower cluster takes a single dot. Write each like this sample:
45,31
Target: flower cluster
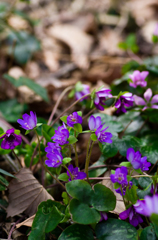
54,155
28,122
134,217
61,135
10,139
73,119
75,174
100,98
120,177
148,101
125,100
148,206
83,90
95,124
137,161
138,78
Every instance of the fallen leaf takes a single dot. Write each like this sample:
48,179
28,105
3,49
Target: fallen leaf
79,42
28,222
120,207
25,194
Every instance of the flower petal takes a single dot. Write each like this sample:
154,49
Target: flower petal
139,100
155,99
92,123
148,94
130,154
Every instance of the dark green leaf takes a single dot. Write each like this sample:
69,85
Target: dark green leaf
44,223
103,198
25,45
77,232
11,110
151,152
80,190
48,132
113,229
148,233
131,194
6,173
82,213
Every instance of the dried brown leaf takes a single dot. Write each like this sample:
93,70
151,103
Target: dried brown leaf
120,207
25,194
28,222
79,42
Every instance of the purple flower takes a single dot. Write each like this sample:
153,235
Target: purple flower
103,136
154,188
95,125
84,90
29,122
134,218
148,206
100,98
73,119
75,173
104,216
149,100
138,78
61,135
155,33
120,176
52,146
54,159
124,100
124,187
137,161
10,139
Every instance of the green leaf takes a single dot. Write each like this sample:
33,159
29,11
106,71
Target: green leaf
79,113
64,119
78,87
6,173
3,181
131,194
110,150
38,89
148,233
26,45
122,45
66,198
113,126
126,164
12,110
144,182
48,132
28,131
80,190
97,171
78,127
66,160
113,229
151,152
72,139
63,177
17,132
116,185
93,137
2,187
77,232
44,223
154,218
82,213
103,198
72,93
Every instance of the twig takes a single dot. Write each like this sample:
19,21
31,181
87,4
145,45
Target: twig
12,229
17,157
87,95
58,102
11,162
89,113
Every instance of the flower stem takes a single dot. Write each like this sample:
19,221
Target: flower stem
17,157
76,155
88,157
43,163
123,196
68,171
